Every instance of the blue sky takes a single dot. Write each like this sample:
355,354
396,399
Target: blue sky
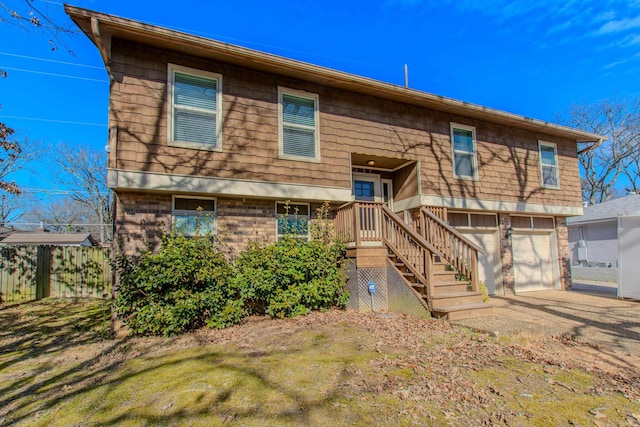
533,58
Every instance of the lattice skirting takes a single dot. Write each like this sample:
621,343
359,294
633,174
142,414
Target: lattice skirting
392,294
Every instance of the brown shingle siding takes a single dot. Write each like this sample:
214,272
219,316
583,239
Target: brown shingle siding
349,123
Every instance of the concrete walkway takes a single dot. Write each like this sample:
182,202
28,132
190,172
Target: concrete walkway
589,313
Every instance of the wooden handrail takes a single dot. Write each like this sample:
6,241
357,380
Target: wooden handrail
452,230
459,251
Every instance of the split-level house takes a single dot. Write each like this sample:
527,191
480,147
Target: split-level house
430,193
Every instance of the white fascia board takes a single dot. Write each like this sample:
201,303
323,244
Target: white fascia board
500,206
159,182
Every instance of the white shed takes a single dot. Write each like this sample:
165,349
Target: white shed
629,256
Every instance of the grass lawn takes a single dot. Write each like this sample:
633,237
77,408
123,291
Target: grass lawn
58,366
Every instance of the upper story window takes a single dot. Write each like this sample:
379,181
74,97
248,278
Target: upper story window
194,216
549,164
292,219
298,125
195,105
463,140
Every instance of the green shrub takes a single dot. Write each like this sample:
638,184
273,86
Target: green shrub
189,283
180,288
293,276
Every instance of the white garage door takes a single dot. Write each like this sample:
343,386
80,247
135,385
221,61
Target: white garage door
535,265
489,265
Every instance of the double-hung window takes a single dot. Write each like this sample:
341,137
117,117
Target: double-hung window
292,219
463,140
194,216
549,164
298,125
195,105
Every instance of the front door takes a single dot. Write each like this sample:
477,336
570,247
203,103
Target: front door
367,188
371,188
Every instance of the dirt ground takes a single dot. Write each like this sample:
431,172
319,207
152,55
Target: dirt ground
58,366
590,314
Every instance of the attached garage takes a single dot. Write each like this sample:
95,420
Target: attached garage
535,254
482,229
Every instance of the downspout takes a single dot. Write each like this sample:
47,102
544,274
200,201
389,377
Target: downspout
113,129
95,30
592,146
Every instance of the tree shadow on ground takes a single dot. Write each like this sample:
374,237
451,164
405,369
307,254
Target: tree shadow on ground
39,342
587,320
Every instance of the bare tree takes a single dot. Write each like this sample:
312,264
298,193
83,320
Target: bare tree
10,159
63,215
25,15
14,206
619,121
632,172
84,175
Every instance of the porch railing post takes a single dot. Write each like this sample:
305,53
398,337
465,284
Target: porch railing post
475,286
356,223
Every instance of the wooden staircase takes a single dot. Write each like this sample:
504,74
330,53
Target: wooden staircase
430,256
451,298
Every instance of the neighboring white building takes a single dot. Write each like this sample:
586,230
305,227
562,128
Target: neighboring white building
593,238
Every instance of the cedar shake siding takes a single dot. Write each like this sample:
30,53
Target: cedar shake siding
254,129
508,167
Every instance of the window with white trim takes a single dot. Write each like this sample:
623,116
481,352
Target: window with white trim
195,105
463,141
298,125
194,216
549,164
292,219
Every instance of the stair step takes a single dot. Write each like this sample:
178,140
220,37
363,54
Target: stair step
465,311
450,299
445,287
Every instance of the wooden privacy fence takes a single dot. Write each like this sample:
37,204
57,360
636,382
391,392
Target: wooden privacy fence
29,273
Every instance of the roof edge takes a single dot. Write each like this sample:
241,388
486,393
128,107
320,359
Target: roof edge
279,64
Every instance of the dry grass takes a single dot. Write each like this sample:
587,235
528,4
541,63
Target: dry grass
57,367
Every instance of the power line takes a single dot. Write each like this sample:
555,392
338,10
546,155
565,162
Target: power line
54,74
52,120
58,192
50,60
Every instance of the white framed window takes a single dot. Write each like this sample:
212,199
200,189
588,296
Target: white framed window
194,215
299,137
195,108
463,143
292,219
549,164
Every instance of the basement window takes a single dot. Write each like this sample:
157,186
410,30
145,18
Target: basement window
194,216
292,219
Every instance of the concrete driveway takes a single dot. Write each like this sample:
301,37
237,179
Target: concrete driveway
589,313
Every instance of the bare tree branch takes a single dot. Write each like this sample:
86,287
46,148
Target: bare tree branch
602,167
84,173
24,14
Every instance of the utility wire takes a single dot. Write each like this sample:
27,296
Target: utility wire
50,60
70,122
54,74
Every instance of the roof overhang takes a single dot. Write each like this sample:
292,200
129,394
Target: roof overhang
101,27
